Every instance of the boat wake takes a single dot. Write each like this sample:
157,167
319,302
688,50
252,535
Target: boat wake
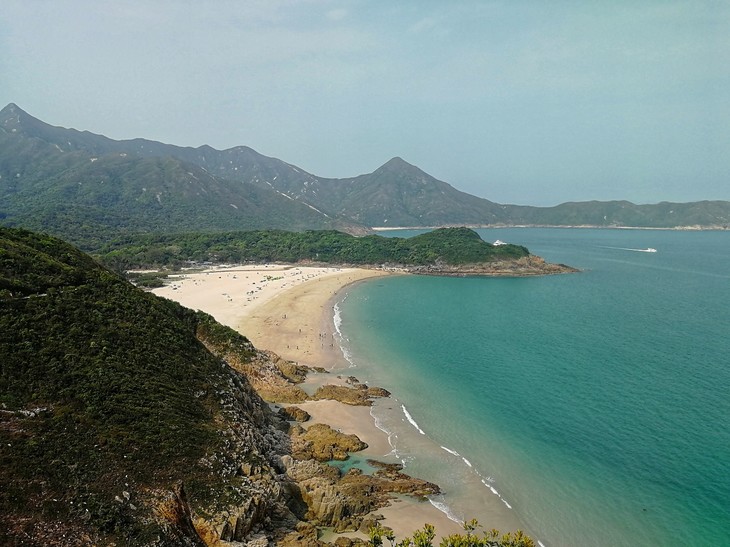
647,250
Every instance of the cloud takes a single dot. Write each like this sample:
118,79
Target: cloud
423,25
336,14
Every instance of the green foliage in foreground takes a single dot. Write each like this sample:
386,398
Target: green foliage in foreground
425,537
452,246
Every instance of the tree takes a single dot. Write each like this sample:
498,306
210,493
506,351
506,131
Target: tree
425,537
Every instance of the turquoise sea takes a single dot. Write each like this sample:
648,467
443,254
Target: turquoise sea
588,409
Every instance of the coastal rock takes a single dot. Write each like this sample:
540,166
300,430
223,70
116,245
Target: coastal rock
305,535
343,502
328,504
356,396
292,371
322,443
271,377
294,413
378,392
523,267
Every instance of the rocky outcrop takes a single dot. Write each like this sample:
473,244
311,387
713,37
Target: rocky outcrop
359,395
343,502
523,267
322,443
294,413
277,483
274,378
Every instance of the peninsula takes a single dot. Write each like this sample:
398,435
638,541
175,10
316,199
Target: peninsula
443,251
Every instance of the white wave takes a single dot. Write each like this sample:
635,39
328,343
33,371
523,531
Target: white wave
411,420
540,543
467,462
391,436
454,452
341,339
496,492
337,319
446,510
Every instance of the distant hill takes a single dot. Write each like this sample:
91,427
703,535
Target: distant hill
89,188
395,194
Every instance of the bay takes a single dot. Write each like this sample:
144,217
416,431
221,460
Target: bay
594,404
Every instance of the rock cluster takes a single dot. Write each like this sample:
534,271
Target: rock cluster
522,267
278,485
322,443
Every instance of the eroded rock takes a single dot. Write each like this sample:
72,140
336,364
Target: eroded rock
322,443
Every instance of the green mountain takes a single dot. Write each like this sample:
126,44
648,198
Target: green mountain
118,425
89,188
395,194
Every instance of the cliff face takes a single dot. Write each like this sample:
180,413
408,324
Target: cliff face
127,419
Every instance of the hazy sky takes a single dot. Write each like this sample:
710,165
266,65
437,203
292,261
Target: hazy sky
529,102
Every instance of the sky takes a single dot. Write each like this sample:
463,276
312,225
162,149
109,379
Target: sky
524,102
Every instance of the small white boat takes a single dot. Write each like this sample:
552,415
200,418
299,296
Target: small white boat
649,250
498,243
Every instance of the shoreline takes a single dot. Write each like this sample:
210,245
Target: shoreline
289,310
697,228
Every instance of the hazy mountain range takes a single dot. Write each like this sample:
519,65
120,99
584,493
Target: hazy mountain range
87,188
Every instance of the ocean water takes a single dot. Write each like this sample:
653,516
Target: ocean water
587,409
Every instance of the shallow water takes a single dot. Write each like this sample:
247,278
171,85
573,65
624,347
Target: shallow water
594,404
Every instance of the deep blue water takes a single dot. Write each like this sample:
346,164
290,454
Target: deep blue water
598,403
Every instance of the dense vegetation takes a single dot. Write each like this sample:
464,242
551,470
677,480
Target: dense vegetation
104,389
451,246
425,537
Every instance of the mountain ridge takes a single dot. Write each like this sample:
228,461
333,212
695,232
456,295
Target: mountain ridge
238,188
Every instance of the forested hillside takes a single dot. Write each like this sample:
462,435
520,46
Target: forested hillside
115,420
449,246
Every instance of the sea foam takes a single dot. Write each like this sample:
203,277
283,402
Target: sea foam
391,436
411,420
445,509
454,452
341,339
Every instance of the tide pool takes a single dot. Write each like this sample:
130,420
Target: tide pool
592,408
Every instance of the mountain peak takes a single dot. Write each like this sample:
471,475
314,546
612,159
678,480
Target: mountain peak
397,162
400,166
10,109
10,116
14,119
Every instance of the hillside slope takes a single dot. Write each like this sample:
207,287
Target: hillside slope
118,426
88,188
126,419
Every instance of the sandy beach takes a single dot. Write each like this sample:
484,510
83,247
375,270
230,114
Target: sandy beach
288,310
